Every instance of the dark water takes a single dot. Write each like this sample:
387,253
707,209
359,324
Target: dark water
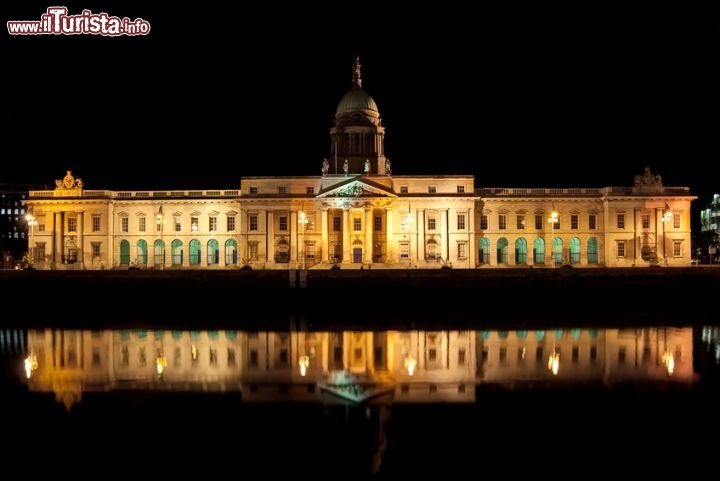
578,423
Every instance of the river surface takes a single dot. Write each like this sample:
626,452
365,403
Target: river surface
567,402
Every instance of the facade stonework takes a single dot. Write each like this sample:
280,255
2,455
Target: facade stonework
356,213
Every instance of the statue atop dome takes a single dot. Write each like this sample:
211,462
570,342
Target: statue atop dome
357,79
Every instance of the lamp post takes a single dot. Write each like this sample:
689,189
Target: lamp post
553,220
666,217
302,220
160,226
31,222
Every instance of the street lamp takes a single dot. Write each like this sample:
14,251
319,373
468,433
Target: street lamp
302,220
666,217
31,222
553,220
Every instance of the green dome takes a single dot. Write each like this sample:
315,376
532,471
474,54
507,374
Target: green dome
356,99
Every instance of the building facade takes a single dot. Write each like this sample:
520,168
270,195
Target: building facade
357,213
423,366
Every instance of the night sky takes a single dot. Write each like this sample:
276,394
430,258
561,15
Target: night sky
538,97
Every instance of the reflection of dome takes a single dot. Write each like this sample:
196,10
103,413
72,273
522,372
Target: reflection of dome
356,99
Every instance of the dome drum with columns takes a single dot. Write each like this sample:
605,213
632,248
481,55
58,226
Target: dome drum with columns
358,213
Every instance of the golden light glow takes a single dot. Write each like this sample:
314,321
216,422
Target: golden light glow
410,364
160,364
194,351
669,361
303,364
31,364
554,362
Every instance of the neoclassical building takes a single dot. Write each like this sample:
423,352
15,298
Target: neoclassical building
357,213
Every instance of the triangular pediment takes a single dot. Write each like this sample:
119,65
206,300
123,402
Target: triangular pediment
357,187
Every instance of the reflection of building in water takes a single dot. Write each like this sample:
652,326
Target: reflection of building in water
424,366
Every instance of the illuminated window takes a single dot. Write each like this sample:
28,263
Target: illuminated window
95,248
520,222
462,250
212,226
502,222
194,224
253,251
178,224
621,248
142,358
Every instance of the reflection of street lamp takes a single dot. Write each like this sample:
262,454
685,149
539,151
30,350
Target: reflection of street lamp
302,220
31,364
553,220
669,361
410,364
554,362
303,364
666,217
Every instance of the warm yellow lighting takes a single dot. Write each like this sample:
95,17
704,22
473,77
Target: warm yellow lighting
410,364
406,220
302,220
554,362
194,351
31,364
553,220
669,361
160,364
303,364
